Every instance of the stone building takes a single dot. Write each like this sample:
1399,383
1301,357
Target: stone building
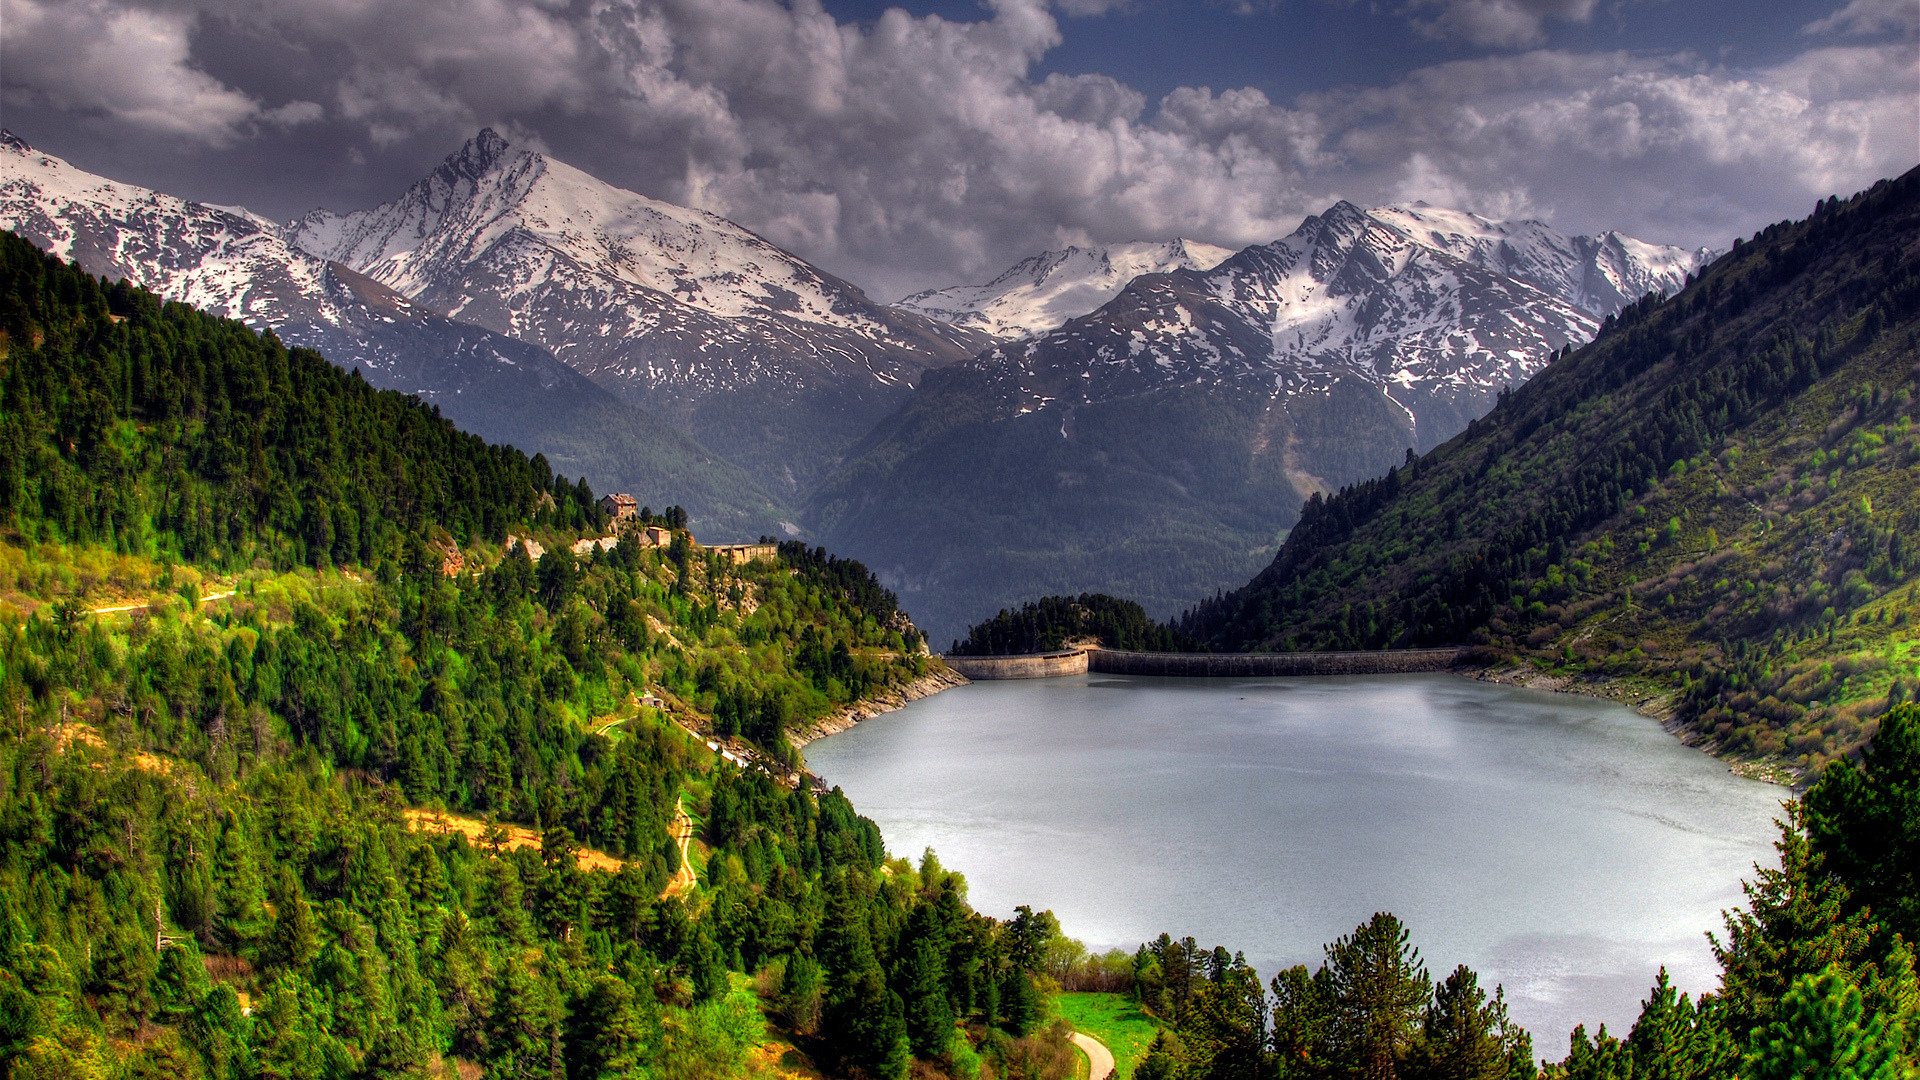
620,507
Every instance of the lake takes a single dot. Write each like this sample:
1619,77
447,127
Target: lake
1563,846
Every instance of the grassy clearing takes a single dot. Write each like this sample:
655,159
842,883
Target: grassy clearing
1114,1019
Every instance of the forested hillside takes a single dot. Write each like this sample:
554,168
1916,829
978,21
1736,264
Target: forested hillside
1051,622
304,772
1715,502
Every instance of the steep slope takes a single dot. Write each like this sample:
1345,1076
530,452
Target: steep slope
1161,444
1717,499
1042,292
264,830
771,362
232,263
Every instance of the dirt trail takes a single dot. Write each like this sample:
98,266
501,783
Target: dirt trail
142,605
683,879
1099,1058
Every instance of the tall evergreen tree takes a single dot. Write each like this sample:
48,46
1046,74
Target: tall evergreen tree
1823,1032
1462,1034
1378,989
1865,821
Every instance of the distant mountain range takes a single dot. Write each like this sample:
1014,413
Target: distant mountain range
1137,418
1160,446
1043,291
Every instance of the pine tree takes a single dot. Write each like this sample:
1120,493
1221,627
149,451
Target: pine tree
1302,1022
609,1031
1461,1034
1378,989
1676,1040
865,1024
1797,922
1865,821
923,986
293,942
1823,1032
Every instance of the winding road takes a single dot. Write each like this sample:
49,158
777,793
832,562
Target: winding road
683,878
1099,1058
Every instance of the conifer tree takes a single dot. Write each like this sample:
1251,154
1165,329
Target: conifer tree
923,985
1378,989
1823,1032
1461,1034
1865,821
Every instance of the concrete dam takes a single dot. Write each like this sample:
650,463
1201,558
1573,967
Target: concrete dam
1202,665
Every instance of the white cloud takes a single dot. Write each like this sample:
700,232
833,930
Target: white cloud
917,150
1865,18
124,64
1495,22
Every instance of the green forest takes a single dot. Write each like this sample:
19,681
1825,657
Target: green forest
238,665
308,769
1051,622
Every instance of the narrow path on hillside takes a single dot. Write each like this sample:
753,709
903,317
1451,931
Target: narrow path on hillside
1099,1058
142,605
683,878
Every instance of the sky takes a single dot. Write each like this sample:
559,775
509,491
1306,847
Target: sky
936,142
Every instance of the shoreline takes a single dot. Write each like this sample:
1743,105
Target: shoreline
844,718
1655,706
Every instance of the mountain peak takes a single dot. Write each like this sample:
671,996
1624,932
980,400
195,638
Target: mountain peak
481,153
10,141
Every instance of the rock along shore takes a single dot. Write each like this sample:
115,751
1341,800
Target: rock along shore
940,677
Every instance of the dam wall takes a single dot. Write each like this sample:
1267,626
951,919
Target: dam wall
1244,665
1029,666
1202,665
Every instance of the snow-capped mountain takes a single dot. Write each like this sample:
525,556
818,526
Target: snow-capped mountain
1158,446
1597,274
771,361
230,262
1040,293
1435,310
220,260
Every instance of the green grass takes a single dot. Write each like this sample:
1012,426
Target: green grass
1114,1019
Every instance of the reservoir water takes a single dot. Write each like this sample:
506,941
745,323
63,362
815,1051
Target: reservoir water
1565,847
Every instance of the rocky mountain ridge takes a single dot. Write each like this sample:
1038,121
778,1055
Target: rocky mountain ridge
1161,445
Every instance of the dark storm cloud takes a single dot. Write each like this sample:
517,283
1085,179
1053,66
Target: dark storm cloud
904,151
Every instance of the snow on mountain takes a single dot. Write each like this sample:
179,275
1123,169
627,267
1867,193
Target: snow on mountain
231,262
220,260
1156,446
1428,306
770,360
1597,274
1042,292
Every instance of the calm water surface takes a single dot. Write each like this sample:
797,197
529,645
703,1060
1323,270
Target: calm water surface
1562,846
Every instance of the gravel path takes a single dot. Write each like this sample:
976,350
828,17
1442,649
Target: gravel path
1098,1056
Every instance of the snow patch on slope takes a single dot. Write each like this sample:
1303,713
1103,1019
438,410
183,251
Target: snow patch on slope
1043,292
